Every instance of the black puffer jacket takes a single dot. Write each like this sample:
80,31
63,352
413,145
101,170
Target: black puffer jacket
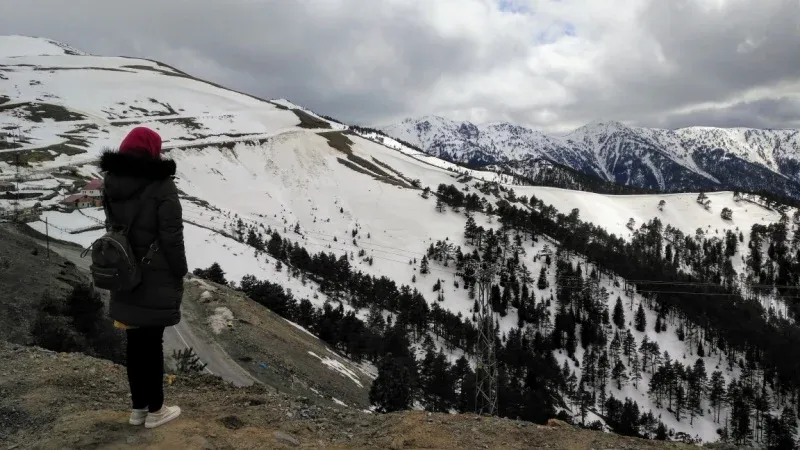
157,300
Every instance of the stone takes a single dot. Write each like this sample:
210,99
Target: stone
286,438
199,443
555,423
232,422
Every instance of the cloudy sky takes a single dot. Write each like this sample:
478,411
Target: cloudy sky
550,64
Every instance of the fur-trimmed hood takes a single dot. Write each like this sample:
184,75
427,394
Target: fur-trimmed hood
126,174
132,165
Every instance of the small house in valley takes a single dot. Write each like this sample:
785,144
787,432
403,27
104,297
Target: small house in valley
90,196
82,201
93,188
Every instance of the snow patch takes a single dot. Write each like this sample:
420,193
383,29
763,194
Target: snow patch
339,367
300,328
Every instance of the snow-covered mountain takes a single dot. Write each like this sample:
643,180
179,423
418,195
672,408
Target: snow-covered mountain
685,159
271,189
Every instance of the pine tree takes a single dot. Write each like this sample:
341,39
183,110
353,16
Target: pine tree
629,345
615,350
787,430
661,432
619,374
584,400
697,388
741,412
636,370
658,323
439,205
680,401
470,229
423,266
641,319
187,361
541,283
603,370
726,214
214,273
506,299
392,390
619,314
716,395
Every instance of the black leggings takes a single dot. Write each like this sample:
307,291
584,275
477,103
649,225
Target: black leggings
145,361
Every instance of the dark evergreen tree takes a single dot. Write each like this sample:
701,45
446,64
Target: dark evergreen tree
393,389
628,345
636,370
619,374
541,283
661,432
437,383
187,361
740,413
423,266
603,370
615,349
641,320
619,314
213,273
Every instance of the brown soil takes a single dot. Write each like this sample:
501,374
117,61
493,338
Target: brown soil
256,335
64,401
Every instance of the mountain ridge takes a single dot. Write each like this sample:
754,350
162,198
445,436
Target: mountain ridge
682,159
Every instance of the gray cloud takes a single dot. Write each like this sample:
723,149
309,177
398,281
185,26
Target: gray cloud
645,61
761,113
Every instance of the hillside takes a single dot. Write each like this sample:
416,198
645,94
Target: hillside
686,159
27,274
64,401
377,249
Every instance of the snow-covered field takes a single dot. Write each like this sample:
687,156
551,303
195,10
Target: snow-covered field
248,159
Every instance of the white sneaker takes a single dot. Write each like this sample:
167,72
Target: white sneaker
162,416
138,416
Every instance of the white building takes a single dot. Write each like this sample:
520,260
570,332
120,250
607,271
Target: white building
93,189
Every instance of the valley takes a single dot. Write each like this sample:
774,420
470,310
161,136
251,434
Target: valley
622,313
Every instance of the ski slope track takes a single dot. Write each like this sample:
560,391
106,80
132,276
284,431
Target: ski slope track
274,165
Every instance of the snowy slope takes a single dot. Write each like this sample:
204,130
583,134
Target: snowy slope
674,160
242,158
26,46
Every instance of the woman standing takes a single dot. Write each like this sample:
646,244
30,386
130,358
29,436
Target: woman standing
140,191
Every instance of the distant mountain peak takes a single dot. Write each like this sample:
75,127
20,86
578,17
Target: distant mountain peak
683,159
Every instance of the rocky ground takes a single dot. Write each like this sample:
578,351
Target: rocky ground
60,401
26,273
271,349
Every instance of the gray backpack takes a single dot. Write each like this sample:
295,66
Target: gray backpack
114,266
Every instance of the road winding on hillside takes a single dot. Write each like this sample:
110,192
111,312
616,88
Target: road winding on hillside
179,337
